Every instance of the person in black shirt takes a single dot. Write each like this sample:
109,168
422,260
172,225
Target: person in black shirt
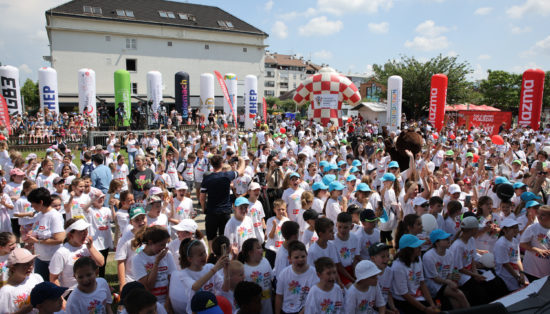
139,177
215,198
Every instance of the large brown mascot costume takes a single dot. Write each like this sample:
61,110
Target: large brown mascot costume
407,140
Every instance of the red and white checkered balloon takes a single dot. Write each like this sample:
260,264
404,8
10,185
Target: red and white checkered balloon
327,81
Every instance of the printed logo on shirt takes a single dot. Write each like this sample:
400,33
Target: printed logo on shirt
362,306
148,267
512,253
257,277
327,306
243,232
22,300
208,287
95,307
27,208
542,238
294,287
77,256
345,253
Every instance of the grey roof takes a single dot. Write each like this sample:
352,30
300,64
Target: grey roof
147,11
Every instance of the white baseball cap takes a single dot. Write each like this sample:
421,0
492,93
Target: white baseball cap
454,188
79,224
254,186
419,200
508,222
180,185
186,225
366,269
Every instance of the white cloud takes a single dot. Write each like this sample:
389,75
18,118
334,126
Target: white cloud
340,7
452,53
542,46
369,71
483,11
25,68
430,38
322,54
279,30
478,74
520,30
379,28
541,7
293,14
320,26
268,5
484,57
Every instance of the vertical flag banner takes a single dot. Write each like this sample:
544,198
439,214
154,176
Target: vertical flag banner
231,84
206,94
226,96
530,103
265,110
47,87
250,101
123,88
182,94
5,114
438,98
87,94
395,92
154,92
11,91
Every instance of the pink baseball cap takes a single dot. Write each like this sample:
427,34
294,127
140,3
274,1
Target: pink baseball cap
17,172
20,256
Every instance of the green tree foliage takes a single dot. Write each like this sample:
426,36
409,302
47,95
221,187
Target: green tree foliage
501,89
29,92
417,79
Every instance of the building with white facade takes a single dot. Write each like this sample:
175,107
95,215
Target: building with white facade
283,73
146,35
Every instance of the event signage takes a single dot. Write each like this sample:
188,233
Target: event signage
154,92
123,103
438,98
182,94
530,104
206,94
325,101
395,90
47,88
265,110
226,96
9,85
489,121
231,84
250,101
4,114
87,94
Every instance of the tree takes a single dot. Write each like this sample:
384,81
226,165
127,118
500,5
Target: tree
29,93
417,77
501,89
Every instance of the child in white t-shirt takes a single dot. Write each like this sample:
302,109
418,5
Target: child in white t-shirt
379,254
100,219
295,281
92,294
507,259
325,294
7,244
257,270
365,295
368,234
289,230
78,200
310,236
535,240
324,247
347,247
256,211
274,236
239,227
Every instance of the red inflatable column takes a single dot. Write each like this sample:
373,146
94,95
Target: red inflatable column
438,98
530,103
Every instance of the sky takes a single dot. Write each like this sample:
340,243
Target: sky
349,35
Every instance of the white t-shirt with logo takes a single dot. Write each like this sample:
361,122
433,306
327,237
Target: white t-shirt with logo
13,298
346,249
100,229
256,213
436,266
406,280
121,174
142,265
277,241
23,206
366,241
124,252
507,252
239,231
183,209
181,283
95,302
464,254
63,261
43,181
320,301
293,201
262,274
315,252
358,302
309,237
44,227
295,287
539,237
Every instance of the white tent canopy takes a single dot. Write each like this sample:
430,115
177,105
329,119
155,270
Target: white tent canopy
371,110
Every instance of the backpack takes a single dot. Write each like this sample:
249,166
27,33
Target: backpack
87,169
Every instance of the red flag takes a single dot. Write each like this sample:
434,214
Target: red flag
226,95
265,111
5,114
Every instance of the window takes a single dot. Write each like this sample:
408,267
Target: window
87,9
131,43
169,44
207,46
171,15
96,10
107,38
225,24
131,65
245,49
163,14
221,23
269,84
293,85
134,89
187,17
270,74
120,12
294,76
229,24
129,13
269,93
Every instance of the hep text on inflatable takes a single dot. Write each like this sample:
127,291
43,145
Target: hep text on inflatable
250,101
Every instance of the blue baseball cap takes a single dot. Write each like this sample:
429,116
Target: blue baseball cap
388,177
334,167
519,185
532,204
409,240
356,163
353,169
529,196
323,163
341,162
438,234
351,177
327,179
319,186
294,174
363,187
336,186
393,164
241,201
500,180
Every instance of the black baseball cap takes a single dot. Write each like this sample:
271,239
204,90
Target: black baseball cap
368,215
310,214
378,247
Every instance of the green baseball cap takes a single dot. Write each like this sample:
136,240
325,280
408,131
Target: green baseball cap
470,154
449,153
136,211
